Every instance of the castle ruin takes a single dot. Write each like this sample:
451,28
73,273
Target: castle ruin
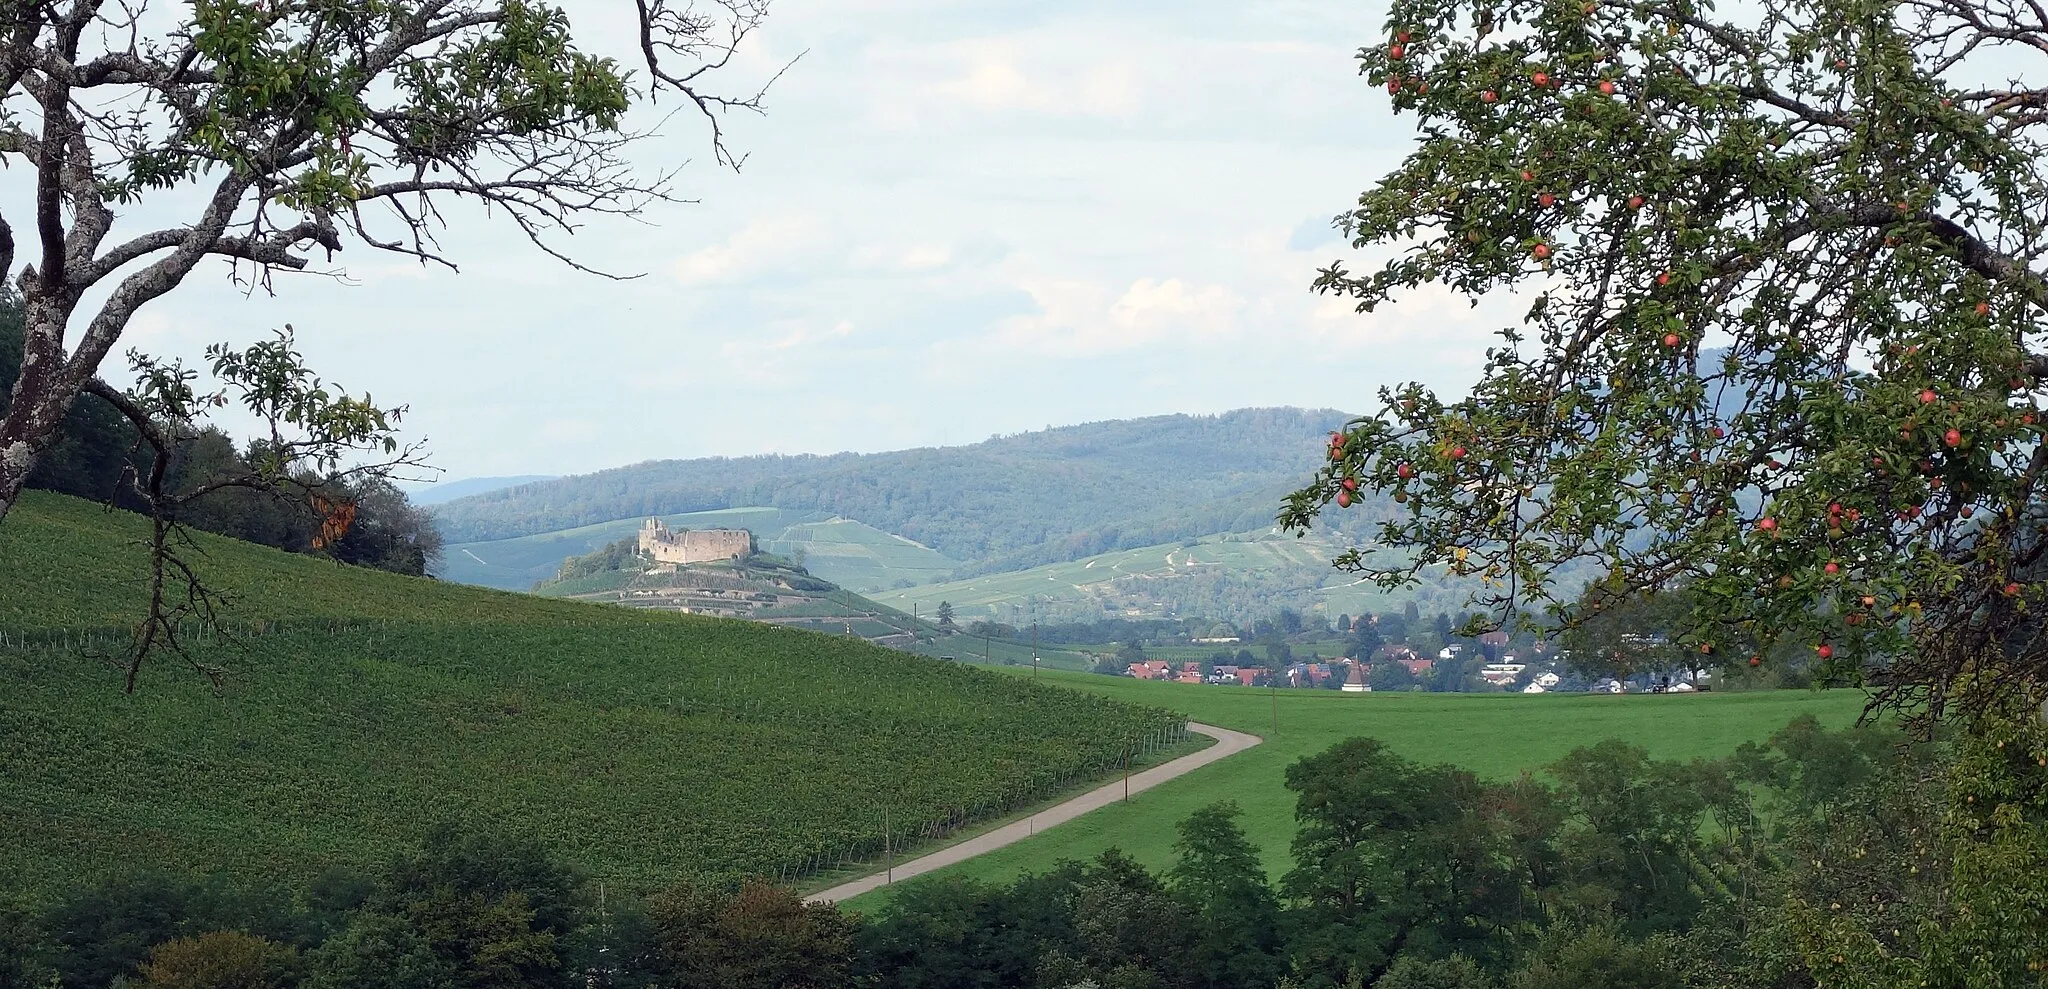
693,545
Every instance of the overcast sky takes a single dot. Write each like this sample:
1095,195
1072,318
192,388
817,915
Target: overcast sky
959,218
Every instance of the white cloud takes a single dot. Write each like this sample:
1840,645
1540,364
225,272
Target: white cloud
774,241
1078,317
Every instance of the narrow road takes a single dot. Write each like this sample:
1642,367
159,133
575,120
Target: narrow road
1228,743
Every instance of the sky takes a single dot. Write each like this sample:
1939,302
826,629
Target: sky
955,220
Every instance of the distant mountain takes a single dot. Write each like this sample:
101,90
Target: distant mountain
1004,504
445,491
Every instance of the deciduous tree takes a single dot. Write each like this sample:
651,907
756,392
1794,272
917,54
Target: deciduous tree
1783,336
302,125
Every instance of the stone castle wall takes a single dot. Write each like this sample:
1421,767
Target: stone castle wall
693,545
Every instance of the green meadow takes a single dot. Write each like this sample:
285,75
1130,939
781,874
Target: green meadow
1495,735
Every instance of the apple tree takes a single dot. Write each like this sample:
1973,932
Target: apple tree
258,132
1781,342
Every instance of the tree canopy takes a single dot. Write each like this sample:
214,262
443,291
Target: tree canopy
1782,345
286,126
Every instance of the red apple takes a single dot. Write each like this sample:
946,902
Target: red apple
1825,651
1488,96
1707,648
1635,202
1671,339
1983,308
1831,568
1343,499
1717,432
1855,515
1351,484
1953,437
1540,78
1966,511
1663,278
1396,52
1528,176
1394,85
1927,396
1542,252
2012,590
1546,200
1401,38
1457,453
1767,523
1756,661
1404,471
1607,87
1834,508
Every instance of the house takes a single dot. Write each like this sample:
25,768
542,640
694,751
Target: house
1450,652
1546,680
1355,684
1154,670
1501,674
1608,685
1250,675
1190,673
1496,638
1395,653
1535,688
1416,667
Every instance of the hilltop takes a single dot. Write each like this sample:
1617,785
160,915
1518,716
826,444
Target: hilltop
358,708
1008,503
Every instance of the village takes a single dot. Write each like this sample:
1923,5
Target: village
1350,675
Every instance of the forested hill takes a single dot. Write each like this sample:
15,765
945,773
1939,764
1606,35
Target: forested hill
1008,502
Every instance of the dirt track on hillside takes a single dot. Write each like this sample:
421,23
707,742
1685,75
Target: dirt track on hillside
1228,743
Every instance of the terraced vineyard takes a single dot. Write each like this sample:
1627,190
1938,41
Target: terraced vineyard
362,707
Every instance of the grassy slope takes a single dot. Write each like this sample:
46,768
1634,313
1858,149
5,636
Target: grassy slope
1304,563
1497,735
837,550
643,745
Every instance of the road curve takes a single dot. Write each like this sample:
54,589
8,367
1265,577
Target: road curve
1228,743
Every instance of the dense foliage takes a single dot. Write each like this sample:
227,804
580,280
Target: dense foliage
1010,502
1783,337
1818,858
98,455
357,708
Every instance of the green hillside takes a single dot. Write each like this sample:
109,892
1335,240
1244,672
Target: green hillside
1004,504
1231,576
1495,735
358,708
839,550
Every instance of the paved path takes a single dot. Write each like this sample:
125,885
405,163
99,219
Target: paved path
1227,743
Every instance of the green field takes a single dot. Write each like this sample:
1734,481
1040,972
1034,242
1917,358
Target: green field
1496,735
841,551
359,708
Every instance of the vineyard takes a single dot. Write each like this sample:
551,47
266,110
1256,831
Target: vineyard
361,708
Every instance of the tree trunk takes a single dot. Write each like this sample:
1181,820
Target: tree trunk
42,396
